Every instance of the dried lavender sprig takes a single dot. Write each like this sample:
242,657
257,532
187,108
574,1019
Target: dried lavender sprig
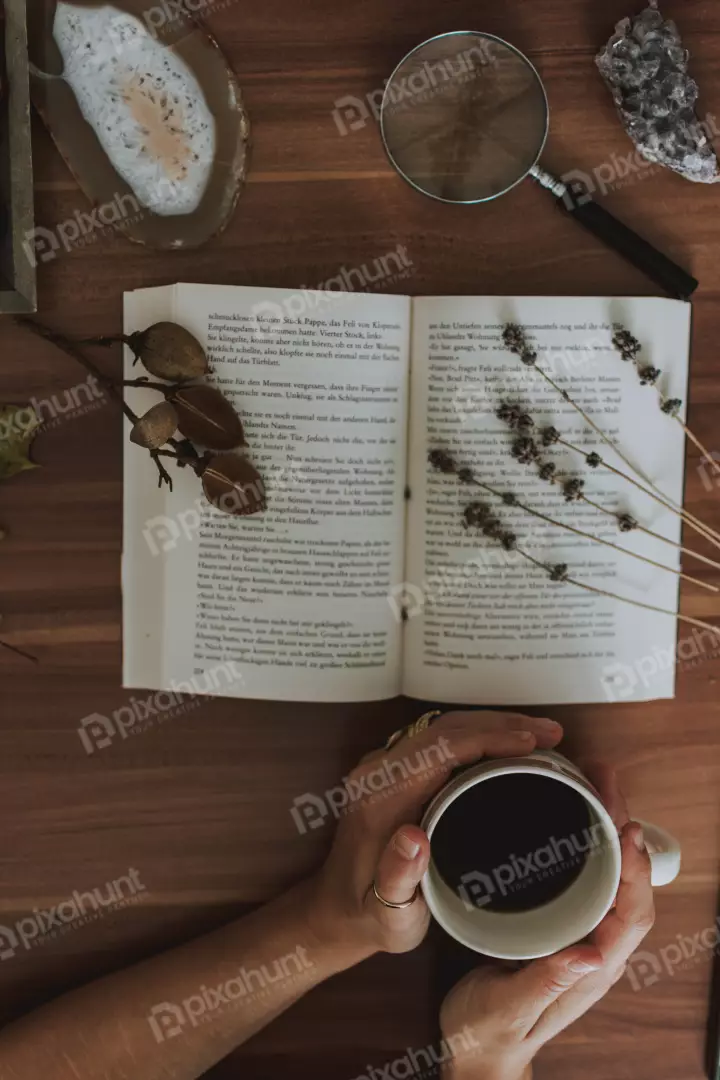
595,461
445,463
492,527
573,491
629,348
515,340
520,420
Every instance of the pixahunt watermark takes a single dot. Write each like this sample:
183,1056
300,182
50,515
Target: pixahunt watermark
620,681
386,779
521,872
163,534
268,317
98,731
70,914
420,1063
648,968
168,1019
426,82
82,228
42,245
622,170
166,15
49,412
408,599
473,400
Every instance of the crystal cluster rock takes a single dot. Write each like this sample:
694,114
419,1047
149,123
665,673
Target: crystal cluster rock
646,68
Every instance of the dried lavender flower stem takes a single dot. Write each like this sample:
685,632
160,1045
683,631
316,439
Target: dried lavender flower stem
526,450
690,520
629,348
648,607
585,535
521,348
622,599
656,536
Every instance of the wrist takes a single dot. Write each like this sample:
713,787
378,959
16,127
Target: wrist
337,936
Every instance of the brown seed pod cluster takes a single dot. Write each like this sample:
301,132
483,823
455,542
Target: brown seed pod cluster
200,413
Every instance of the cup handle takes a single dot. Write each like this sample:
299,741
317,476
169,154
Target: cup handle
664,851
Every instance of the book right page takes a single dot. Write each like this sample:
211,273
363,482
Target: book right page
488,626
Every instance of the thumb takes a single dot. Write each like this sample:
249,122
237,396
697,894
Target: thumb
534,989
402,865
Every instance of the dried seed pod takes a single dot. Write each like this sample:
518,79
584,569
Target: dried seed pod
233,485
155,428
206,417
169,351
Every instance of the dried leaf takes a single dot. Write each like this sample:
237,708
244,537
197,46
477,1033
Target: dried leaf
206,417
233,485
157,426
169,351
18,426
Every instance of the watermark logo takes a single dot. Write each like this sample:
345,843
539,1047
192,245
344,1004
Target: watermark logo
70,914
48,412
477,890
648,968
42,245
622,170
161,17
424,1061
473,399
165,533
387,778
620,681
408,599
167,1020
98,731
269,317
430,80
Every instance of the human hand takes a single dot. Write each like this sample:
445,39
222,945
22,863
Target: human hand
379,840
511,1015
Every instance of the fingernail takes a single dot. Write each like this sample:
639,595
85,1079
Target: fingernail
406,847
639,838
549,725
525,736
582,967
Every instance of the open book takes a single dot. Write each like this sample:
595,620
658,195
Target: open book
360,582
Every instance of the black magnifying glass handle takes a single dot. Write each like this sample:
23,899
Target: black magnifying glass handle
575,199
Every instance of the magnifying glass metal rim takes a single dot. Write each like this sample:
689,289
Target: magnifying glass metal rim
385,102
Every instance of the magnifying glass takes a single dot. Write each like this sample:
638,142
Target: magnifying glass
465,118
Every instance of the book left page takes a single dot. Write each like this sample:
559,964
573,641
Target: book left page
293,601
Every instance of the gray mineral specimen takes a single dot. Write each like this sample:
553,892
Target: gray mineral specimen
646,68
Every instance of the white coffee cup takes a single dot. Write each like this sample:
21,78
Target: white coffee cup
573,914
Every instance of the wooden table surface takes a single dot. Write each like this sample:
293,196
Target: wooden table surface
200,805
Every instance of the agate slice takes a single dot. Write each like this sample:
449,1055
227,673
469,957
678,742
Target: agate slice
147,115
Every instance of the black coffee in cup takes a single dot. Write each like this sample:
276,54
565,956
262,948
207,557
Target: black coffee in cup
513,843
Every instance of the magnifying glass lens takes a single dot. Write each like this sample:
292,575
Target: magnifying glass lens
464,117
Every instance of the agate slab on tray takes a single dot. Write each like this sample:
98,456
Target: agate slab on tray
146,113
17,271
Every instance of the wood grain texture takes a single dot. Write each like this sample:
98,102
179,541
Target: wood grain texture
200,805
